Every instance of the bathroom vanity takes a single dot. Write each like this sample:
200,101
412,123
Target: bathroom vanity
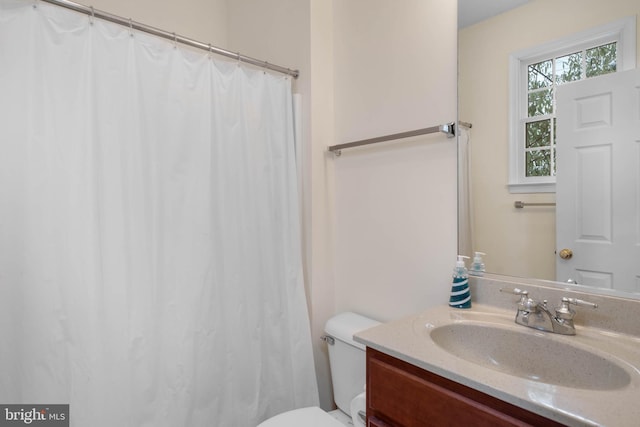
477,367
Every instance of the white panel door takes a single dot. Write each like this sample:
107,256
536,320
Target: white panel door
598,196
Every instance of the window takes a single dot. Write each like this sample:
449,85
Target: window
535,75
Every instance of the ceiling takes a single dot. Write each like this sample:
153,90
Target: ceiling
473,11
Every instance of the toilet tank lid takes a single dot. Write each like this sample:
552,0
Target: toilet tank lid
344,325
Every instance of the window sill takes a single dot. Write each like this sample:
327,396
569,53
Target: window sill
546,187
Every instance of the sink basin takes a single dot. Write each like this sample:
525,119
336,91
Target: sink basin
533,356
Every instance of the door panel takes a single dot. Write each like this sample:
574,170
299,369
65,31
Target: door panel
598,181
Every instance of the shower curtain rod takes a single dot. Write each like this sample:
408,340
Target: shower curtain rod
95,13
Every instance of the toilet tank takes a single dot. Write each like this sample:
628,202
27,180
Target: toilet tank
347,357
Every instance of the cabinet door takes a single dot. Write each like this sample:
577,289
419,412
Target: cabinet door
401,394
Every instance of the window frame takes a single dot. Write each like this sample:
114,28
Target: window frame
622,31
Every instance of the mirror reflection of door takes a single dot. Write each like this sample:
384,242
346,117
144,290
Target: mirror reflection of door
598,192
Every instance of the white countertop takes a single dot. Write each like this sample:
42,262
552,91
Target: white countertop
408,340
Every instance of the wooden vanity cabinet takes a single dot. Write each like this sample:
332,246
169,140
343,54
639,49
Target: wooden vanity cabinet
403,395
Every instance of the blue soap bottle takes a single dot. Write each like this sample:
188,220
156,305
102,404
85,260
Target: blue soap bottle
460,294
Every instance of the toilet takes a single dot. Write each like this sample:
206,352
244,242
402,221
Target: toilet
347,362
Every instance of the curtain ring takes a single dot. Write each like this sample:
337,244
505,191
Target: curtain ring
239,58
92,16
210,51
175,41
130,27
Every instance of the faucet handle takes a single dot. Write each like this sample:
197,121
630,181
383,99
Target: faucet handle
525,303
566,313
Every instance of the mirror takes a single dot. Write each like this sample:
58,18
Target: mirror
518,242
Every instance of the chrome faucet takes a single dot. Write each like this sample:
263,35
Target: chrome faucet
537,315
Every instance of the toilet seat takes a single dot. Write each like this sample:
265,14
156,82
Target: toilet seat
304,417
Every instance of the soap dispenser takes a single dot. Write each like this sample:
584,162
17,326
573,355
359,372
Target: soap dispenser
477,267
460,294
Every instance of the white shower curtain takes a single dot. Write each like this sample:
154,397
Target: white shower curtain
150,266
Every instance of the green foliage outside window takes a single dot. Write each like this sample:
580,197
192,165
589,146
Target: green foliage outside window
601,60
543,78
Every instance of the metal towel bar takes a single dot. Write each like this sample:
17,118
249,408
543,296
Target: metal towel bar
519,204
447,128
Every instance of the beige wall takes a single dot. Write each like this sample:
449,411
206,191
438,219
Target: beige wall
320,196
519,242
395,203
202,20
